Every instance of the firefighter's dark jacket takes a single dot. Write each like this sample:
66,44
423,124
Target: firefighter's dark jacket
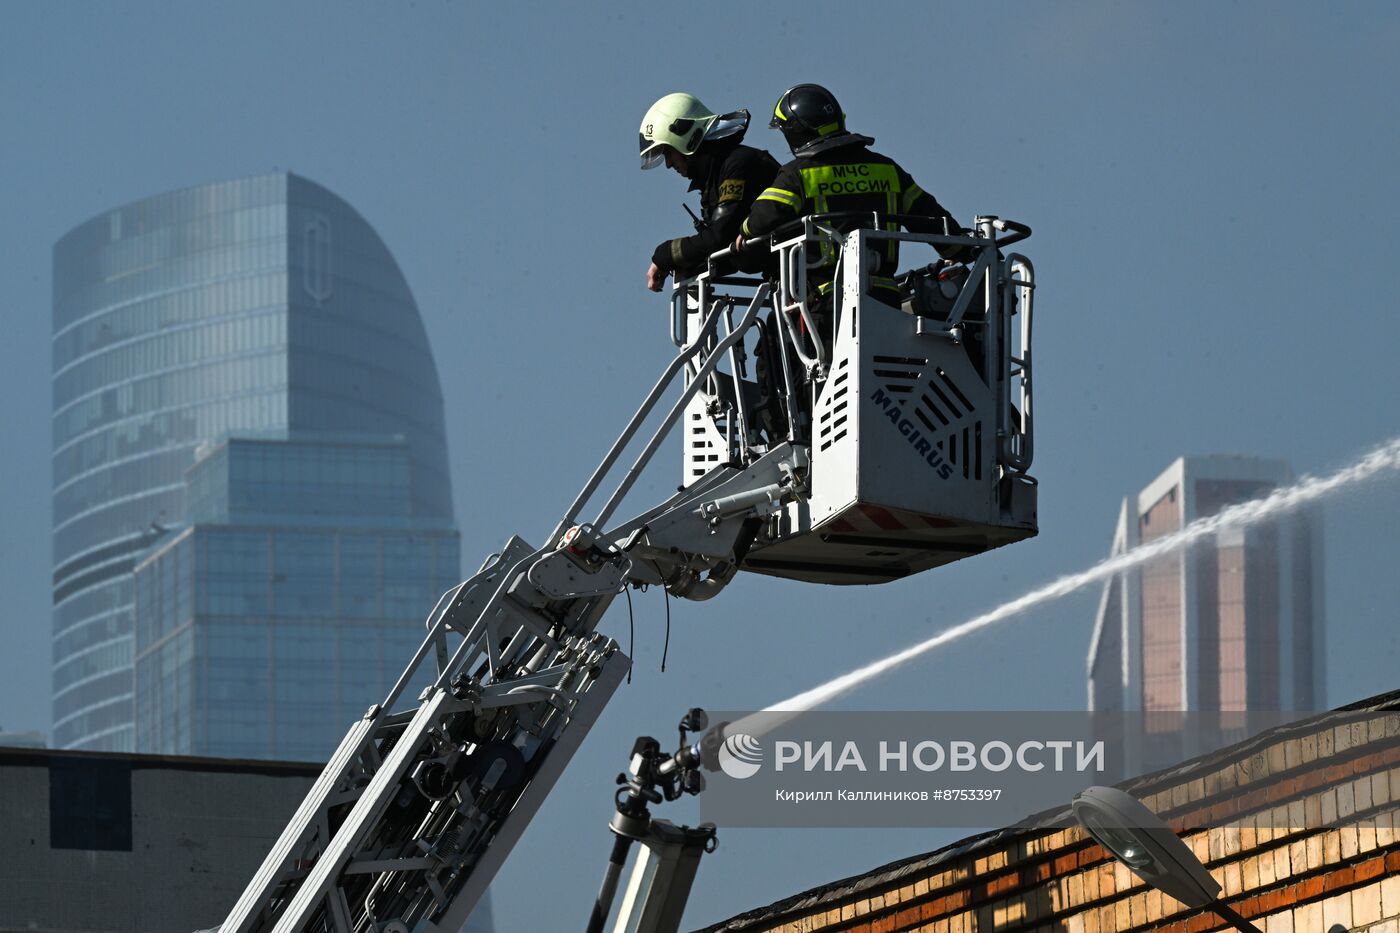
729,176
842,174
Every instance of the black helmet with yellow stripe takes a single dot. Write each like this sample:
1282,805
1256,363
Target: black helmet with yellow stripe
807,112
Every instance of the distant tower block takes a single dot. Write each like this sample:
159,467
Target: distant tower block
1234,624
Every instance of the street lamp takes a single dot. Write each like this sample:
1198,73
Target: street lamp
1138,838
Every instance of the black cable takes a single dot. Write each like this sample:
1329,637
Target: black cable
631,632
666,647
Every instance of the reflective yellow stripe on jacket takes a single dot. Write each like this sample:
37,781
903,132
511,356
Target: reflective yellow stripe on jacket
782,196
911,194
789,199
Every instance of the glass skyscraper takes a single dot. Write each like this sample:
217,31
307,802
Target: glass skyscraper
252,513
290,603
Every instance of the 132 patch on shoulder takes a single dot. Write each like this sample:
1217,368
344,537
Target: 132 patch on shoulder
731,189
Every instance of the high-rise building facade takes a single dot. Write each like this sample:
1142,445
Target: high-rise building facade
262,324
289,603
1233,624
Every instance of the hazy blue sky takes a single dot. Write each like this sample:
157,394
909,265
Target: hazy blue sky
1214,193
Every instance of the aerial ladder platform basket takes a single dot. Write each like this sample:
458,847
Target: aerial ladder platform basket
917,418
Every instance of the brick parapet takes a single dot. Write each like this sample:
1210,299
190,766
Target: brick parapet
1297,825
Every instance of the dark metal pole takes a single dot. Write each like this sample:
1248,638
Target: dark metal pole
603,905
1228,913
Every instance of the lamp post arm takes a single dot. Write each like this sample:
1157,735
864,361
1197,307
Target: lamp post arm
1230,915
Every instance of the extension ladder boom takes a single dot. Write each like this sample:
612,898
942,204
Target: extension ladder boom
842,475
422,801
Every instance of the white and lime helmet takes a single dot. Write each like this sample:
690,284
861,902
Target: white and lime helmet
676,120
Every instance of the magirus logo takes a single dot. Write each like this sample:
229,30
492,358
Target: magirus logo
740,755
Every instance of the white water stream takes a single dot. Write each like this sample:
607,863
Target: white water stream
1383,459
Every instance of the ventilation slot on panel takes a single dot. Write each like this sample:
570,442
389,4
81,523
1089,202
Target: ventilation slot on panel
963,448
933,409
833,418
942,404
900,374
700,455
831,421
945,403
977,450
952,387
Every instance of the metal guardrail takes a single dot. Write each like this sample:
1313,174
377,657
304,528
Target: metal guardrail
1007,349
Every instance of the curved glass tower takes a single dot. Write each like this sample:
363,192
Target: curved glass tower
247,430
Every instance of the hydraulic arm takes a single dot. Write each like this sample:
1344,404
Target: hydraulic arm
899,440
428,792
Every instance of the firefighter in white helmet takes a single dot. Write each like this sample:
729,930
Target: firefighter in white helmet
686,136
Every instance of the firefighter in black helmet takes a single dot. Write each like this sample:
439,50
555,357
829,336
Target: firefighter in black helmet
686,136
833,171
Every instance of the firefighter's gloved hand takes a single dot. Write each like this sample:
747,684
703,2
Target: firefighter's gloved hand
655,278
